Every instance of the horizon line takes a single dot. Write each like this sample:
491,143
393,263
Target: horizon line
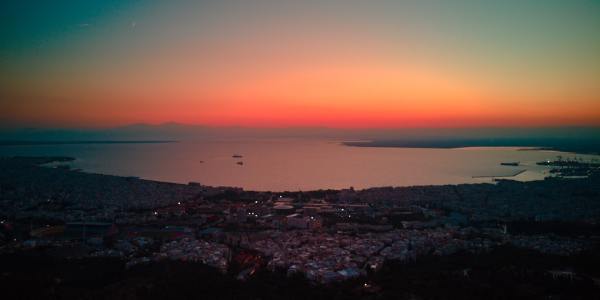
283,127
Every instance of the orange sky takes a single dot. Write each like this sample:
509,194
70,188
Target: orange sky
309,65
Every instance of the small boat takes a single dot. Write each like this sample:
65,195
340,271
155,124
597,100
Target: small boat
236,156
513,164
241,163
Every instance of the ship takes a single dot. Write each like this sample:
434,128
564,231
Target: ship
236,156
241,163
513,164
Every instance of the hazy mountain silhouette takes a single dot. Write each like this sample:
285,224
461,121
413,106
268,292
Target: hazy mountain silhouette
579,139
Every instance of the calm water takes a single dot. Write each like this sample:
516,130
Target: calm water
296,164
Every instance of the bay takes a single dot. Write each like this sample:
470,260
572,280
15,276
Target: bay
298,164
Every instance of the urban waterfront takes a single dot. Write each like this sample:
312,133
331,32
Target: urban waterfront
361,240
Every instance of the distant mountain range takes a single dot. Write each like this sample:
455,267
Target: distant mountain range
577,139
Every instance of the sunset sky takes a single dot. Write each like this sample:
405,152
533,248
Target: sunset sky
277,63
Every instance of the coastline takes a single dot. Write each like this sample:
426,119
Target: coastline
502,176
54,162
39,143
50,161
590,146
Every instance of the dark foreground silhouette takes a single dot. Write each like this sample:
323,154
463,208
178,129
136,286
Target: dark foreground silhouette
505,273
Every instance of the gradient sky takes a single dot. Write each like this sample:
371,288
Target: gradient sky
337,63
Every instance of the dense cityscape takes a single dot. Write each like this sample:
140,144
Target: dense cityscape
322,238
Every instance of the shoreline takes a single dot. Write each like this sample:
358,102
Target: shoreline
517,173
48,161
587,147
45,143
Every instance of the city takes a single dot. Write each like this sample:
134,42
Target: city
327,236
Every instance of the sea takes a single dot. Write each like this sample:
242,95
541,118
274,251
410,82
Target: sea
299,164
